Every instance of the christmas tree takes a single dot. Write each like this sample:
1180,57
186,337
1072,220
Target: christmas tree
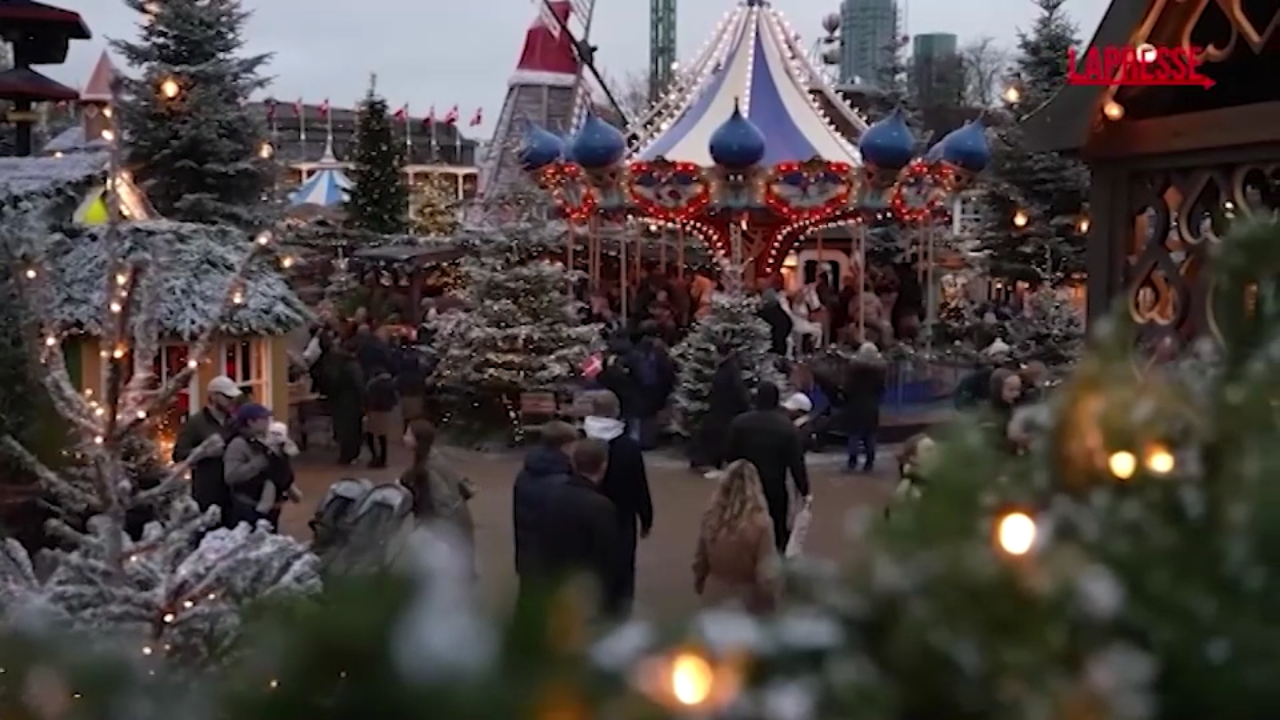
1049,329
379,202
1034,225
195,145
161,591
732,327
522,332
436,208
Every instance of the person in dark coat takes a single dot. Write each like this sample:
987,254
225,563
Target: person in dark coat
626,484
780,323
727,399
863,389
379,402
766,438
347,402
207,486
533,507
621,377
258,472
655,377
411,385
585,540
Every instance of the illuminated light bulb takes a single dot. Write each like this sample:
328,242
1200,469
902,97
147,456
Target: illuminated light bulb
264,238
1012,95
57,154
237,297
99,412
169,617
188,604
1113,110
170,88
107,112
147,650
1020,219
273,684
98,440
1160,461
691,679
286,261
1083,225
31,274
1016,533
212,596
108,135
142,414
1122,464
121,279
192,364
116,307
117,353
51,341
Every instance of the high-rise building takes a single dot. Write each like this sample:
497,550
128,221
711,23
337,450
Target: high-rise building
936,73
868,28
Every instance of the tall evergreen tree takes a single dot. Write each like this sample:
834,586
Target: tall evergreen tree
192,139
379,201
1033,229
886,240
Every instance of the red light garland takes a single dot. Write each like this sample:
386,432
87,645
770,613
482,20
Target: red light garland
565,181
664,172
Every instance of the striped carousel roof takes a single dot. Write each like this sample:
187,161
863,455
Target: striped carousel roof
328,186
754,59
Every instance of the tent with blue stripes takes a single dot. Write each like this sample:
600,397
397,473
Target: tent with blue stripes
756,61
327,187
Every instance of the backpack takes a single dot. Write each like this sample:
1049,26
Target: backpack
358,526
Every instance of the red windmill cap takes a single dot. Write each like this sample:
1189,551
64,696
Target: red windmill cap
548,57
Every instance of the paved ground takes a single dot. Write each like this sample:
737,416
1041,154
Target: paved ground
664,578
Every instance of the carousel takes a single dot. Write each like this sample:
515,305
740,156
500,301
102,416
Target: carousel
752,155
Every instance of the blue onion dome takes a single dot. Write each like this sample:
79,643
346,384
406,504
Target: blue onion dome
567,141
598,144
967,147
540,148
888,143
738,143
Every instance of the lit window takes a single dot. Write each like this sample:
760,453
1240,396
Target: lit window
245,363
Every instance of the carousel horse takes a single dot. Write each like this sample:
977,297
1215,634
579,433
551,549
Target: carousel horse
803,306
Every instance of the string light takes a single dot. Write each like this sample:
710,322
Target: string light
1122,464
1020,219
266,151
1159,460
692,678
1113,110
170,88
31,274
1012,95
1016,533
1083,225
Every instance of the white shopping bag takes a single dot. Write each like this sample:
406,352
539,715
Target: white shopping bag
799,531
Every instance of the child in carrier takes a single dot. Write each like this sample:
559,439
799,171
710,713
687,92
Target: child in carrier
911,459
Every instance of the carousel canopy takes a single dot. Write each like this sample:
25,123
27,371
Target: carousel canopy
327,187
754,62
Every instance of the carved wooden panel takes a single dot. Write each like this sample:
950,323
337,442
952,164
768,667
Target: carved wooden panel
1177,217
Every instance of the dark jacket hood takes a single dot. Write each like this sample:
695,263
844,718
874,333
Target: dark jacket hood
546,462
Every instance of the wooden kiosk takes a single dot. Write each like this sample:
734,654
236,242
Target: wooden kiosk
1172,165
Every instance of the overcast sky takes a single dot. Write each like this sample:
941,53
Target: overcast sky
444,52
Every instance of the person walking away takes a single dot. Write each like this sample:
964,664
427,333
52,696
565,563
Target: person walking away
621,377
379,402
626,485
533,512
347,403
214,420
1035,378
411,386
727,399
779,322
655,377
585,541
259,476
864,387
440,493
766,438
736,559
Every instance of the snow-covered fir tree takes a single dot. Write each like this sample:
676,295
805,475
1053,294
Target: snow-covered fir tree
522,332
379,200
1050,329
194,143
1032,225
732,327
169,589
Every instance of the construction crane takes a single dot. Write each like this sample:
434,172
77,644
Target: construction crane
662,46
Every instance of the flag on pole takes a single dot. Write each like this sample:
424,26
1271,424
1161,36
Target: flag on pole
402,115
324,108
451,117
430,122
478,118
300,109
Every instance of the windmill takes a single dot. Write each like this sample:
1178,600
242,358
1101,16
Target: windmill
550,86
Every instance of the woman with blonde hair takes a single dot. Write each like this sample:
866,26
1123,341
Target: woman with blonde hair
736,558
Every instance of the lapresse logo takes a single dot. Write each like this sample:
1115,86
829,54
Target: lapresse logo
1137,65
